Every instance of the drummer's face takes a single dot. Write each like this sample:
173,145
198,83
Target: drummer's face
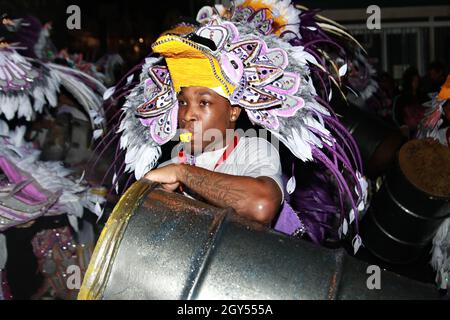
205,114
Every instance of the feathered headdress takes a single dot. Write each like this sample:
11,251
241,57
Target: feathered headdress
264,74
430,126
331,51
25,86
29,81
29,187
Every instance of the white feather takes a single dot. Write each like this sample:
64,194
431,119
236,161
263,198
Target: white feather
132,154
85,95
17,136
52,176
311,87
9,107
25,109
343,70
114,179
345,227
291,185
98,209
73,222
364,185
4,129
357,243
310,121
318,107
98,120
97,133
3,252
147,160
129,79
108,93
82,177
298,146
123,141
129,167
352,216
440,259
38,105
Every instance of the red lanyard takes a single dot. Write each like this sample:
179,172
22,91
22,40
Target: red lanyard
182,157
227,151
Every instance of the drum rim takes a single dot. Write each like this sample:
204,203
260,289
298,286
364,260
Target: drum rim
99,269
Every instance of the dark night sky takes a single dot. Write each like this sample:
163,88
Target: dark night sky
137,17
132,19
101,20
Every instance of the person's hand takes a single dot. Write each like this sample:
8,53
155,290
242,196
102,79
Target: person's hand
168,176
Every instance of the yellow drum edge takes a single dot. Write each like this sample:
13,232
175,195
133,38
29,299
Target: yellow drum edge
99,268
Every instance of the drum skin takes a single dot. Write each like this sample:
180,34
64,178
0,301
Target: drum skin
412,203
164,246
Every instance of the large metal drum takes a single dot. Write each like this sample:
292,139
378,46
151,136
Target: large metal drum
159,245
411,205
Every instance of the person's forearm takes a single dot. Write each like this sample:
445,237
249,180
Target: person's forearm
254,198
219,189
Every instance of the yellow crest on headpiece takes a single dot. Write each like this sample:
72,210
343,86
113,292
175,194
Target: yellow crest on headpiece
180,29
192,65
279,21
444,94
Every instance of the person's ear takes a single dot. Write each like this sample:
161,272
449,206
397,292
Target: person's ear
235,112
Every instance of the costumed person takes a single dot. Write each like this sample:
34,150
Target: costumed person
408,107
364,90
436,125
388,91
31,188
244,62
434,78
77,61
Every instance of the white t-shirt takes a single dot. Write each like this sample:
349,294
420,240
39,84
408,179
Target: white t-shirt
252,157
